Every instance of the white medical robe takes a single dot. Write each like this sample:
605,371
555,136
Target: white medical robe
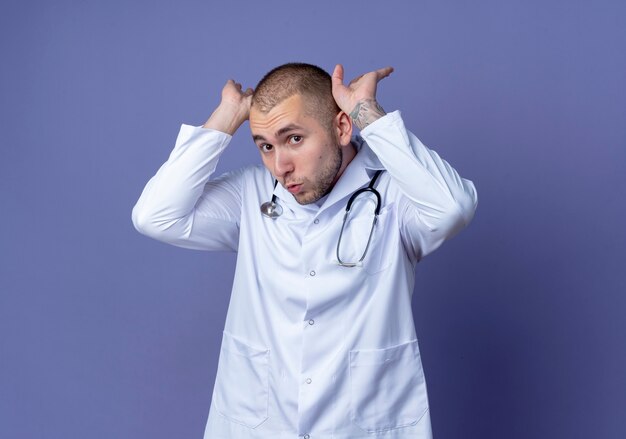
312,349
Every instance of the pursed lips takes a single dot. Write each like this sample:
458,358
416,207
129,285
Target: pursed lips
294,187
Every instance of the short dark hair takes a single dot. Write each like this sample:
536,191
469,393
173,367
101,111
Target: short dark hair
307,80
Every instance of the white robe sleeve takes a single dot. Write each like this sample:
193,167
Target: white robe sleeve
436,202
180,206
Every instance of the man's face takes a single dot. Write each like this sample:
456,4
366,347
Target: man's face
303,155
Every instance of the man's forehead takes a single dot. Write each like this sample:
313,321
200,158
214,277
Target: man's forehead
290,111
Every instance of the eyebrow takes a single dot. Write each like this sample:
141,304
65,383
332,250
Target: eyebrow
284,130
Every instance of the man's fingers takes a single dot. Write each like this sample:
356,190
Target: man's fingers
337,77
384,72
355,80
378,74
237,85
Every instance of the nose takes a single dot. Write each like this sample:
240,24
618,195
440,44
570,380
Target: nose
283,164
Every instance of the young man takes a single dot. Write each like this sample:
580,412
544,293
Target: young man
319,340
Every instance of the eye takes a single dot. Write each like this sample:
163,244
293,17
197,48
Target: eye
266,147
294,140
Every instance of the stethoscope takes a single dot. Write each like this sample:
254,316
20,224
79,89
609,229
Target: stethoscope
271,209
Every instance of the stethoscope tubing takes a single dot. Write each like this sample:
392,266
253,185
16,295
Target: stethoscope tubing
271,209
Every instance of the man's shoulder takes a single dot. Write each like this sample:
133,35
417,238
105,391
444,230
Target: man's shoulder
255,172
248,176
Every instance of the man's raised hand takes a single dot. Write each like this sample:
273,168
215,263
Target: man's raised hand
358,98
233,110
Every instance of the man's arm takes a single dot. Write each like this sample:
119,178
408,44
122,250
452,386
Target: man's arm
179,205
358,98
437,202
234,109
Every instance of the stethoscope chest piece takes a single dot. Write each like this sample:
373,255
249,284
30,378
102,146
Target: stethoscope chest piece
272,209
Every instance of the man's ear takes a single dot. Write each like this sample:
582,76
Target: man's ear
343,128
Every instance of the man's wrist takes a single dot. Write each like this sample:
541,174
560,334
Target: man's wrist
225,119
365,112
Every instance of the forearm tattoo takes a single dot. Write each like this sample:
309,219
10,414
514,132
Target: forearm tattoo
365,112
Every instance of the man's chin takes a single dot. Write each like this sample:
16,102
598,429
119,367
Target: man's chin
305,198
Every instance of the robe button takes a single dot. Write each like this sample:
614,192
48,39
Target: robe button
312,273
311,322
316,221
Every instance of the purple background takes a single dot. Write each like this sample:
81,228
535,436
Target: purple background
107,334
